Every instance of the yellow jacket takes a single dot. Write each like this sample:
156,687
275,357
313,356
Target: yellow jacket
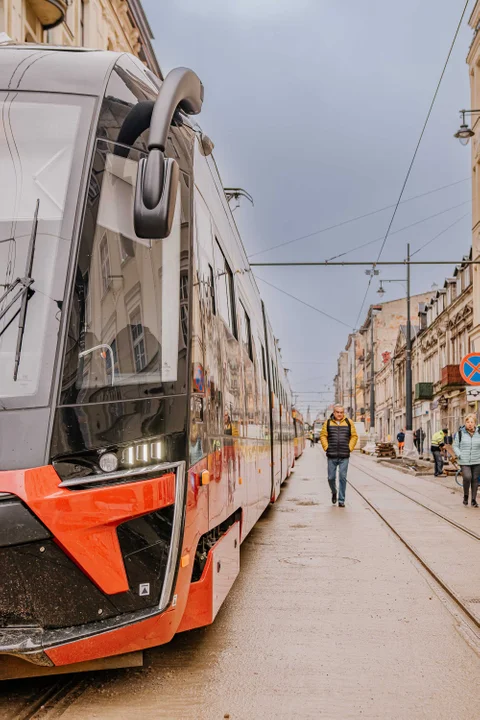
345,421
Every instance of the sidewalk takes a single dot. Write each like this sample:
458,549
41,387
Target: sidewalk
330,618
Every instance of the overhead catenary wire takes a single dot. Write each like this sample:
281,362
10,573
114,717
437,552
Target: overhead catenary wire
363,301
432,103
412,254
358,217
402,229
415,153
439,234
312,307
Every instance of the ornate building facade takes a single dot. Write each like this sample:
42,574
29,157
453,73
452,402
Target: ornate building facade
440,338
119,25
473,60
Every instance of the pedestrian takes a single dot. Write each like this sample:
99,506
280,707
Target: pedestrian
401,441
338,438
416,439
438,442
312,441
466,446
421,440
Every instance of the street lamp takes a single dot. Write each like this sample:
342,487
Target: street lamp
464,133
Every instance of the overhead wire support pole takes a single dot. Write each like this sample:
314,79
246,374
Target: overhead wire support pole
364,263
408,369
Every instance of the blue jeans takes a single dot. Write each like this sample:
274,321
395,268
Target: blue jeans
342,465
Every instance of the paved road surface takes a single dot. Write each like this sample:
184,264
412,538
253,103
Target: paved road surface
331,617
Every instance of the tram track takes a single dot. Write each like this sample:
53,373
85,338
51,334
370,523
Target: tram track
54,700
459,526
426,565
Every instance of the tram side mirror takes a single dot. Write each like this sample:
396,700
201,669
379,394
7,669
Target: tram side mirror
157,176
155,196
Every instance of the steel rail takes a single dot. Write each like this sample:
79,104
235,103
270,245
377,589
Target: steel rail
445,587
68,690
459,526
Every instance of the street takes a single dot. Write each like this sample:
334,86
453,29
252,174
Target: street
331,616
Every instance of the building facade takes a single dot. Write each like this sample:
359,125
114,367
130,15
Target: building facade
473,60
380,330
119,25
349,381
440,339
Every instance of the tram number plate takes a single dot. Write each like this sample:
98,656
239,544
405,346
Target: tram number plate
144,589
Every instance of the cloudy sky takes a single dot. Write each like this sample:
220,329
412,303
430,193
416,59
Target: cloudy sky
315,108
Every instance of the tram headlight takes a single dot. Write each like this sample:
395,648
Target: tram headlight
108,462
142,454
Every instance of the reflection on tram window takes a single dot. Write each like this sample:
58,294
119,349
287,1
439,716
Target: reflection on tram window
227,424
128,324
138,341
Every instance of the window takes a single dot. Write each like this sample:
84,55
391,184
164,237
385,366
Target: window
246,338
138,341
212,289
105,264
224,289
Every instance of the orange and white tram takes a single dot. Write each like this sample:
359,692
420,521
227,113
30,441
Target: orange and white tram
299,433
145,417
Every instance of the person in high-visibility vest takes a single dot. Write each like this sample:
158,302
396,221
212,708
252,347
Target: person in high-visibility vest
438,442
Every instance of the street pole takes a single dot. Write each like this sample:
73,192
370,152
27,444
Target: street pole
354,380
351,389
372,377
409,446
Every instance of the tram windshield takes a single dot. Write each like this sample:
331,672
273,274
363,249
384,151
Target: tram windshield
41,136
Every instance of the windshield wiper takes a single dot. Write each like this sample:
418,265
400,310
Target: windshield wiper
24,292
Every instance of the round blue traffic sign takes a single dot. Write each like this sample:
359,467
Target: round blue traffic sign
470,368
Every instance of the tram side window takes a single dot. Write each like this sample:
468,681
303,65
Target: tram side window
246,331
225,295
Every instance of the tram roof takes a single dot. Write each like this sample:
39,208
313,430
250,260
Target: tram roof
47,68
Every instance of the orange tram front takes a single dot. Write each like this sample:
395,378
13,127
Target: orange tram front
145,417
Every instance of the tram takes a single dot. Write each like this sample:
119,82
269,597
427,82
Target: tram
299,434
145,416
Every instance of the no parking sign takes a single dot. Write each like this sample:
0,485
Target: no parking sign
470,368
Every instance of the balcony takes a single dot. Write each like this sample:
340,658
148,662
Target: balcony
50,12
451,376
424,391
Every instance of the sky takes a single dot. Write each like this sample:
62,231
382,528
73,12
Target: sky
315,108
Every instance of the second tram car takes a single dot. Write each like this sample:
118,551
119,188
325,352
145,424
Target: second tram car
299,433
145,416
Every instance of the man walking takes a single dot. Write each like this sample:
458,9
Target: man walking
338,438
438,442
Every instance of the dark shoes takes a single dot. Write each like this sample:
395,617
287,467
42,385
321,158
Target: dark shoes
474,503
334,498
341,504
465,500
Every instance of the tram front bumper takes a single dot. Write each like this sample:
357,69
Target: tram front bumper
88,572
